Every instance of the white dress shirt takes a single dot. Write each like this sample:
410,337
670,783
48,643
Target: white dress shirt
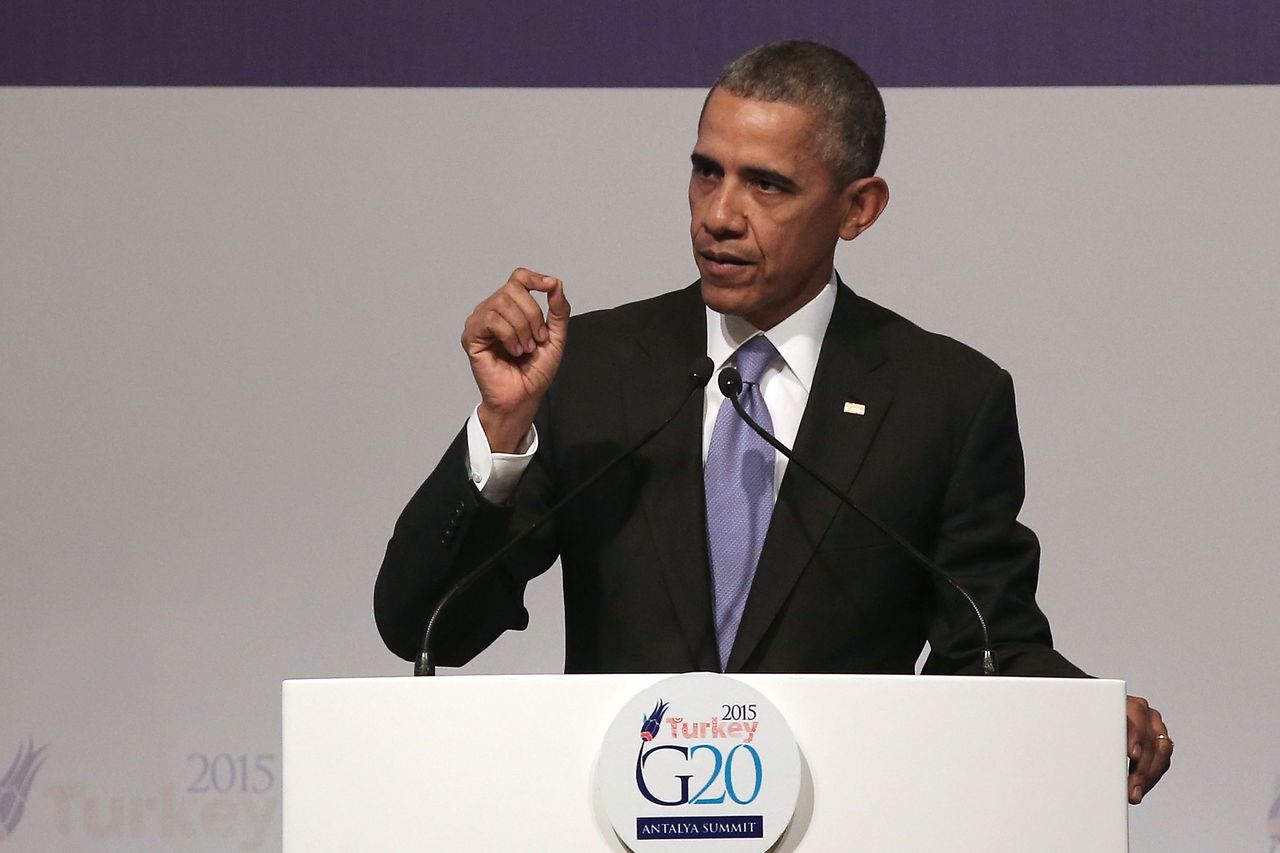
786,384
785,387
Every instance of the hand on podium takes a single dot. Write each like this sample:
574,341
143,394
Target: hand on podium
1150,749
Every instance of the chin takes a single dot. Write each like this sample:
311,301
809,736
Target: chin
726,299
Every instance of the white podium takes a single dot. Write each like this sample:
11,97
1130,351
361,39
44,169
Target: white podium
890,763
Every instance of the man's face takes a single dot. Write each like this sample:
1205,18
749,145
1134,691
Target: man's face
764,217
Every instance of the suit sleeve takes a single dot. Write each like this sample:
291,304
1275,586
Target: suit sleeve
983,546
446,529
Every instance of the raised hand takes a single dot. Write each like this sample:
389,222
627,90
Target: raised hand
514,352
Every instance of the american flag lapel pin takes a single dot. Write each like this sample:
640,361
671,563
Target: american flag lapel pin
851,408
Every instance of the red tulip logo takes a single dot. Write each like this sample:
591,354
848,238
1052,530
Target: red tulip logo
649,730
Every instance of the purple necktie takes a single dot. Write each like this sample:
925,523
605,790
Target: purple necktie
738,477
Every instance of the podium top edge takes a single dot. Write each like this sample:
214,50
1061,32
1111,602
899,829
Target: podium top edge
642,678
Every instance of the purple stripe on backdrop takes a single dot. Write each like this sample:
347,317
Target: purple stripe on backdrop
653,43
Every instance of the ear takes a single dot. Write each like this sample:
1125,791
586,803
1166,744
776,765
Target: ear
865,200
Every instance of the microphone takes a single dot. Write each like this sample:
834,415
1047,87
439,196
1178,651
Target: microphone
730,384
698,376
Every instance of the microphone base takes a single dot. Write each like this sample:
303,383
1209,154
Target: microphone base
424,665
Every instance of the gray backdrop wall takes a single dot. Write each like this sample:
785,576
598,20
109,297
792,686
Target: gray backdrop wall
228,354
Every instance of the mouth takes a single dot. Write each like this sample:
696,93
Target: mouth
723,264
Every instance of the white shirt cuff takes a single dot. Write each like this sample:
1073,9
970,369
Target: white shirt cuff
496,475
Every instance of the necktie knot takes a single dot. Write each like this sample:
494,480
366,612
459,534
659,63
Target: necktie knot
754,357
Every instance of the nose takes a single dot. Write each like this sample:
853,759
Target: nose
722,213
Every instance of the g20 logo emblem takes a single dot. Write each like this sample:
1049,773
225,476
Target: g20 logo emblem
716,768
704,795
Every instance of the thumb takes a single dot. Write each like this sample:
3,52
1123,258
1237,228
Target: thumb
557,309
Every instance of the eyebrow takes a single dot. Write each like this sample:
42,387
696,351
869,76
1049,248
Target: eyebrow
702,161
754,173
757,173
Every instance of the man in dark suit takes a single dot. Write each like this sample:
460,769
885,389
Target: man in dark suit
704,552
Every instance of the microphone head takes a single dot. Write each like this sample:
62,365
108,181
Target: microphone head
700,371
730,382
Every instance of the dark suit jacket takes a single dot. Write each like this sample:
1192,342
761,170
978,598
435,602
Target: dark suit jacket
936,456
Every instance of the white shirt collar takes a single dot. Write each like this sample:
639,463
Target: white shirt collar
798,338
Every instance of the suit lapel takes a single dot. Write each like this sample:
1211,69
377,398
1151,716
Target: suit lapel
673,499
851,369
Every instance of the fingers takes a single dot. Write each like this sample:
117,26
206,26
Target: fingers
1150,749
513,307
1136,712
1162,750
514,296
499,327
513,304
557,319
514,319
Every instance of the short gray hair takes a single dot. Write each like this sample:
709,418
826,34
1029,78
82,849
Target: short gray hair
823,79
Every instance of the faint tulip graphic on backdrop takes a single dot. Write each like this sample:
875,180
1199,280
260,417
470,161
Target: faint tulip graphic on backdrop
16,784
1273,819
